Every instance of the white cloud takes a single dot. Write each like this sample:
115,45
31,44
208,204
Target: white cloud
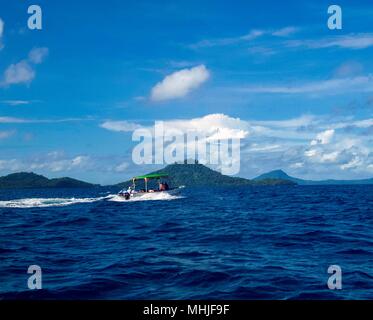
348,69
11,120
355,162
120,126
317,145
331,86
56,162
301,121
212,126
20,120
209,124
310,153
15,102
37,55
53,162
252,35
179,83
122,167
256,147
323,137
285,32
21,72
1,27
351,41
6,134
10,165
1,32
262,51
297,165
330,157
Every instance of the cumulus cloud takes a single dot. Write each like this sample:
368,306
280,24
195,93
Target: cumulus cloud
120,126
53,162
23,71
309,146
37,55
180,83
212,126
122,167
323,137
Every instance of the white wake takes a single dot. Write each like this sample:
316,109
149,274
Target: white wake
61,202
45,202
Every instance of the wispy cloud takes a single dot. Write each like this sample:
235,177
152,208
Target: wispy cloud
1,32
5,119
351,41
12,120
252,35
285,32
331,86
15,102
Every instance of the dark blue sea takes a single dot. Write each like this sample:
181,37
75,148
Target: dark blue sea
217,243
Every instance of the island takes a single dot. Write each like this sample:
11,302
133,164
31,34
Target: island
189,175
31,180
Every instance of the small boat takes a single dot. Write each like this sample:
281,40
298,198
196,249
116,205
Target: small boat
163,186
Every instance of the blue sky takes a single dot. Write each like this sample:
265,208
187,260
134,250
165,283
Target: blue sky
302,93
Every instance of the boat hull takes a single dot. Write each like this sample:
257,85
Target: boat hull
128,196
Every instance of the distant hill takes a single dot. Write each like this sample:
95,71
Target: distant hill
199,175
189,175
279,174
32,180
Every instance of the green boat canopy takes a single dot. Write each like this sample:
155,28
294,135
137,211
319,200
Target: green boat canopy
151,176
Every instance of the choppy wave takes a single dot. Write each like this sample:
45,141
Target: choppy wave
215,243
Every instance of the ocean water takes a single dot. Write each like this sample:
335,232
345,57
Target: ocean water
217,243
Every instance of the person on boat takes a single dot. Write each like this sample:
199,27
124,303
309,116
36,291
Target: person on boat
163,186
